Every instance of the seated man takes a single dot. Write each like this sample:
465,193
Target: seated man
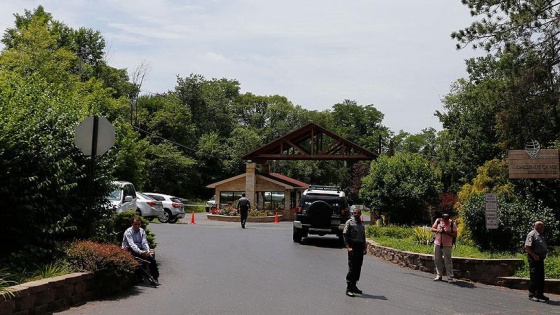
134,240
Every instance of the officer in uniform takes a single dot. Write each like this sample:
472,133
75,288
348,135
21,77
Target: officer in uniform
355,241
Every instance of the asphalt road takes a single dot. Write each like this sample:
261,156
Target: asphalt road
218,268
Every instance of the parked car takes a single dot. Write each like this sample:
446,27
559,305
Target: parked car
210,203
321,210
148,207
173,207
123,197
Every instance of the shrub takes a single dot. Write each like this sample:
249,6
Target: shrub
391,231
515,219
107,259
422,234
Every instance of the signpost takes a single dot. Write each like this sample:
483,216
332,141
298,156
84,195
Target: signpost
94,136
491,211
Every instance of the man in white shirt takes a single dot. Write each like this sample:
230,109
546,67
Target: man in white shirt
135,241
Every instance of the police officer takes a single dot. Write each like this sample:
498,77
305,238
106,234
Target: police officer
355,241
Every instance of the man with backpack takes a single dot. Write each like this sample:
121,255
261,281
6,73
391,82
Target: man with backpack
445,231
243,205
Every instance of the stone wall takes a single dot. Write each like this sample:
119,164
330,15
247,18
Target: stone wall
489,271
46,296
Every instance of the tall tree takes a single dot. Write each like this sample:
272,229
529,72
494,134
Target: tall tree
404,186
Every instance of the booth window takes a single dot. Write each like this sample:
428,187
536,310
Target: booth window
270,200
229,198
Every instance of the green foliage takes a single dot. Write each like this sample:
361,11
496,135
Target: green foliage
422,234
391,231
516,219
404,186
106,259
5,284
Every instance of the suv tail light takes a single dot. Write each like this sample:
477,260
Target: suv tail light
151,203
176,205
345,212
298,210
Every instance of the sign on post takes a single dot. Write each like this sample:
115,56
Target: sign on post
95,136
491,211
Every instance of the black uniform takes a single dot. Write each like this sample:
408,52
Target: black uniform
243,204
355,238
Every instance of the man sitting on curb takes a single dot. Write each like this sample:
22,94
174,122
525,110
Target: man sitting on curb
135,241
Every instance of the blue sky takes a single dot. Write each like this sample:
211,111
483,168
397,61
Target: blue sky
396,55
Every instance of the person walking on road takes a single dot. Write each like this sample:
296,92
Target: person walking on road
535,246
243,205
355,241
445,230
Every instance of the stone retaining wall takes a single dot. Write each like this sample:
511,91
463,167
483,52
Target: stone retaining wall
489,271
46,296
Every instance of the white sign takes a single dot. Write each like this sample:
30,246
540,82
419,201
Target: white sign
491,211
85,136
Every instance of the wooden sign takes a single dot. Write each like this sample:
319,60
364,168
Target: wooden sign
539,164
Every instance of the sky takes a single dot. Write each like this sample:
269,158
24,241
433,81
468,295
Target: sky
395,55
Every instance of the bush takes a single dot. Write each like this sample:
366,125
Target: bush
106,259
391,231
516,219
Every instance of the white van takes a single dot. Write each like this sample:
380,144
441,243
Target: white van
123,197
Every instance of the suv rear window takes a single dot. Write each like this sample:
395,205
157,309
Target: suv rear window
335,202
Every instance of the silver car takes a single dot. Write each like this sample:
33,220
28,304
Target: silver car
148,207
123,196
173,207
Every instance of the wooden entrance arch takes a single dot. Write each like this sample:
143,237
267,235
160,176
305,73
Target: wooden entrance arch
310,142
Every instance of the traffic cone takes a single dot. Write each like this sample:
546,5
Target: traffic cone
276,218
192,218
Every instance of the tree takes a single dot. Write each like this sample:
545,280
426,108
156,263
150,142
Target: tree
359,124
523,35
404,186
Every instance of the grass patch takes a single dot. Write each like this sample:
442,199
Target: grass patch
412,239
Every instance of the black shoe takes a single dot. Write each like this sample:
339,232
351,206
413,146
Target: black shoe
356,290
542,297
350,293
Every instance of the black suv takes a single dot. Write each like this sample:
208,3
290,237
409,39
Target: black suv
321,210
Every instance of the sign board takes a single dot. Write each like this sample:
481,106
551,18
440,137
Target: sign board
95,132
491,211
536,163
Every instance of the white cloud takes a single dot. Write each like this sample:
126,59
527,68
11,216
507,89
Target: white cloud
396,55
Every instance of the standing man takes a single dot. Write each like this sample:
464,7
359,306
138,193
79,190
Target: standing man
135,241
243,205
535,245
445,231
355,241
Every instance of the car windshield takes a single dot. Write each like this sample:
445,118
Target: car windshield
115,195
